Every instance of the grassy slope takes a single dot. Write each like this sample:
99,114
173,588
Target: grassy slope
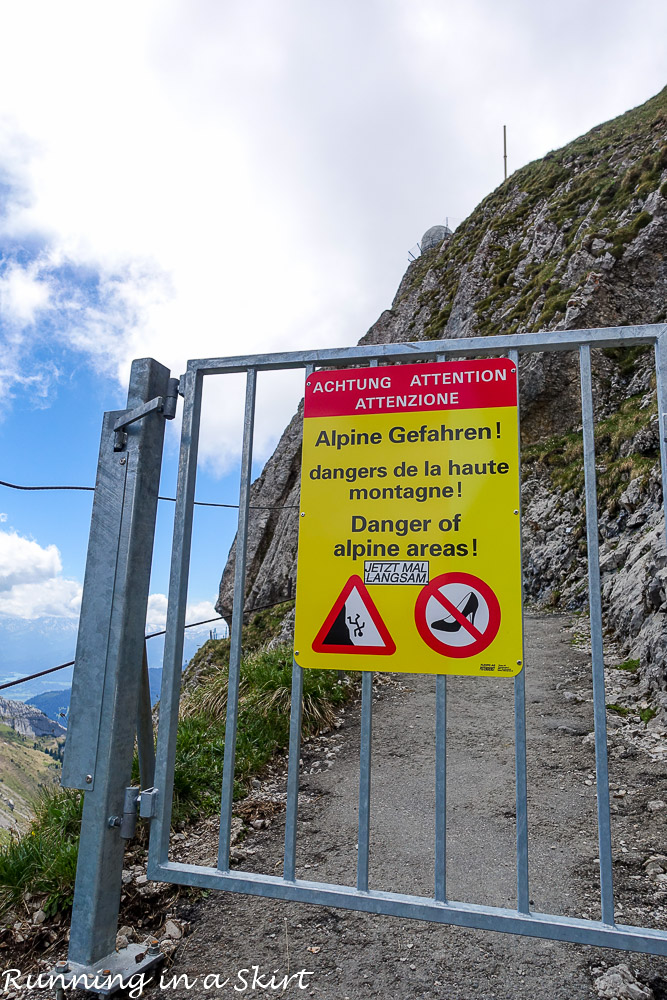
589,186
563,455
44,861
591,189
264,707
25,767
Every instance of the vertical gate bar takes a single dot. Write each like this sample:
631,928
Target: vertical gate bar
441,774
595,600
119,646
296,712
145,737
441,787
522,883
363,838
237,624
365,780
296,715
172,657
661,391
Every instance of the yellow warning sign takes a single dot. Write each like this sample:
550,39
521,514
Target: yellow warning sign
409,534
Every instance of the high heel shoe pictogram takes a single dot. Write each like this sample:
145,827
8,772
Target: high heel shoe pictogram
468,608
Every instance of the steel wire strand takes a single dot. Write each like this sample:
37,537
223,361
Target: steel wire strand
198,503
151,635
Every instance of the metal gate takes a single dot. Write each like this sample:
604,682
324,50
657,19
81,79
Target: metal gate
110,688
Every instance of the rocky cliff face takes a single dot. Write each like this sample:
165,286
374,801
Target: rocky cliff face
27,720
273,528
575,240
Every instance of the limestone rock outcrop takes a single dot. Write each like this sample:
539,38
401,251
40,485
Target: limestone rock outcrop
273,529
27,720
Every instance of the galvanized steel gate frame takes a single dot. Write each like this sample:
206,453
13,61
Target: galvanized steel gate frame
109,671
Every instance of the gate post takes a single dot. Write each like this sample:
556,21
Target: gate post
107,675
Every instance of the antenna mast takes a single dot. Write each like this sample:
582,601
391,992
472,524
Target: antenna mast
505,148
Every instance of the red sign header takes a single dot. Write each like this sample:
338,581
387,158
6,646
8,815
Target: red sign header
442,385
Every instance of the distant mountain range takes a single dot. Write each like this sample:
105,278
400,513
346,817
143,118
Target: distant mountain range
30,645
55,704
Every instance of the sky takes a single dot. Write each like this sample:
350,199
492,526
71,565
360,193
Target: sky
199,178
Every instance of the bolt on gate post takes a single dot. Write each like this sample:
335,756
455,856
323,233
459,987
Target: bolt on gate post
110,649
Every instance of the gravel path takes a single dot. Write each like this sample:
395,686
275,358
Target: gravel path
352,955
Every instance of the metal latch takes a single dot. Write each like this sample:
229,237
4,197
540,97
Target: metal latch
145,802
166,405
148,803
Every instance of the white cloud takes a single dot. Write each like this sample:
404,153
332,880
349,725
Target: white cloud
254,176
23,560
3,518
31,580
200,612
57,597
156,616
23,294
32,585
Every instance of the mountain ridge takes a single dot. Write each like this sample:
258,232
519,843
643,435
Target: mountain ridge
574,240
27,720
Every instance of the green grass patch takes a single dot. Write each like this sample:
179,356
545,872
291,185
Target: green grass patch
626,234
563,455
263,728
626,358
584,191
632,666
555,302
646,714
619,709
43,861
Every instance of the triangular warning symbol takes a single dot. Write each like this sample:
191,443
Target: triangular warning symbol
354,624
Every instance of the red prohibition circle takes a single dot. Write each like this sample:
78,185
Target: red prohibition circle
482,640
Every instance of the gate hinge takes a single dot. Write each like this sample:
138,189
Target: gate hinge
144,802
166,405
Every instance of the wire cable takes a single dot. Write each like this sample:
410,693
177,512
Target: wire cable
14,486
152,635
198,503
